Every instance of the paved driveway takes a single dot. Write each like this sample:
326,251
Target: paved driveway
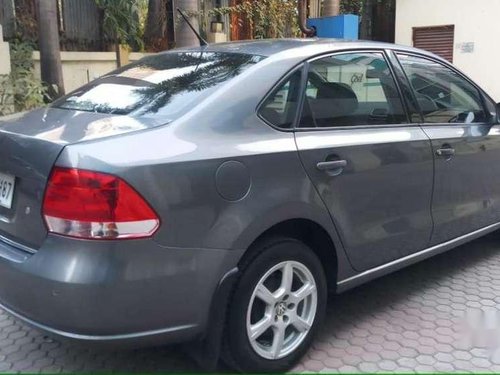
423,318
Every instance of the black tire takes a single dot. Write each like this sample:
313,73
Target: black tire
238,353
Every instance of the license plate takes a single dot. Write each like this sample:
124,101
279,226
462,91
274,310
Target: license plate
6,189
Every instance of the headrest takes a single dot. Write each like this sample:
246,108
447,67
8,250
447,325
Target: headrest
427,105
334,100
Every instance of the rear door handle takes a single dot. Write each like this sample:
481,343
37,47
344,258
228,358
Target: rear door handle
447,152
334,167
327,165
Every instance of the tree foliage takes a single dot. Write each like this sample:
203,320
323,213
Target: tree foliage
124,21
267,18
351,6
21,90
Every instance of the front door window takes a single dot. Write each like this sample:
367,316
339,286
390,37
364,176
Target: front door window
443,95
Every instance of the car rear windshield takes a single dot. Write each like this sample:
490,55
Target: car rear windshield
163,86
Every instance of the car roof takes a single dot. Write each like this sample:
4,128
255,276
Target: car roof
269,47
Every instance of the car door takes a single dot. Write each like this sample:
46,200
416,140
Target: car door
466,147
373,168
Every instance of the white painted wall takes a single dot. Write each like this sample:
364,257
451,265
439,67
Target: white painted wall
6,100
4,55
475,21
79,68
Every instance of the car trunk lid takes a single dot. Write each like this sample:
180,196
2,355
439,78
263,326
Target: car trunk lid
25,162
30,144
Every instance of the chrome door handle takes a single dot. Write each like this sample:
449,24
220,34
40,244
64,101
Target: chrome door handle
447,152
334,167
327,165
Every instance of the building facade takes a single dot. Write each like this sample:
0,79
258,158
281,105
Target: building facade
462,31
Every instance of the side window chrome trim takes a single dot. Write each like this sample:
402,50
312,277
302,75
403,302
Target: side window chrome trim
358,127
346,51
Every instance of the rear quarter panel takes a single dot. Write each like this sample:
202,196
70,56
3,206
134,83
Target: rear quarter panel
175,167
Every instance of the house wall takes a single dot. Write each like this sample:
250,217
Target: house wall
475,22
79,68
4,55
6,99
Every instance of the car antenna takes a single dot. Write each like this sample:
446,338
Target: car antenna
203,42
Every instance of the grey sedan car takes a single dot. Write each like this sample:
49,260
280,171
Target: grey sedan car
216,195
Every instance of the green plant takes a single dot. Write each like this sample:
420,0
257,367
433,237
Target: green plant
267,18
21,90
124,21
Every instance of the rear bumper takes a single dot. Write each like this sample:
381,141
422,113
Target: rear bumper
138,339
132,292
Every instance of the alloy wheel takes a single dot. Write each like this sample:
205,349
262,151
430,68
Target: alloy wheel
282,310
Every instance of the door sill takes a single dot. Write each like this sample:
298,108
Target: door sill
400,263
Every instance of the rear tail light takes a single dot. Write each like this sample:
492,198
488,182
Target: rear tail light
92,205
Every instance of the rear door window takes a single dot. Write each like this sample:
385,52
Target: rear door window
351,89
163,86
280,108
